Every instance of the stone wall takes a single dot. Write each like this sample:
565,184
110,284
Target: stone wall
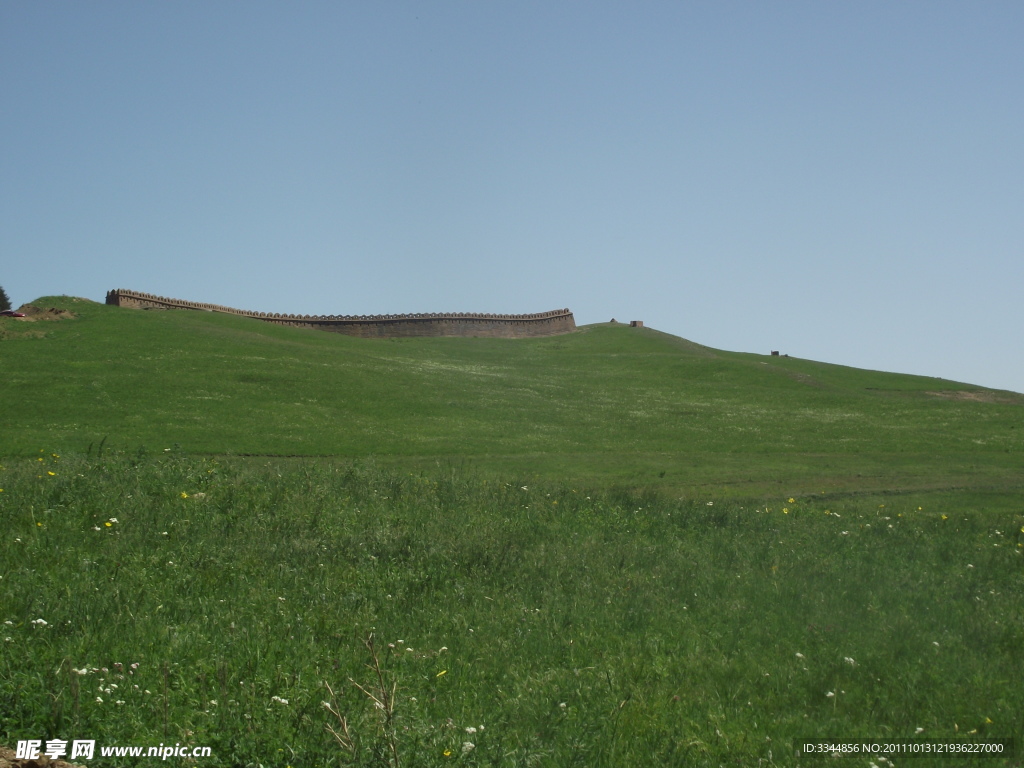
551,323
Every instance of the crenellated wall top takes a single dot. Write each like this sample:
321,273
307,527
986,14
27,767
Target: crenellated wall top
121,296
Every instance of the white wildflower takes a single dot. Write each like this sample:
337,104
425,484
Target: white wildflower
467,747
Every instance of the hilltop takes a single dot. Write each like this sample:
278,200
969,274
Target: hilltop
607,404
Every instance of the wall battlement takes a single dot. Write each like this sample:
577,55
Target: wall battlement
551,323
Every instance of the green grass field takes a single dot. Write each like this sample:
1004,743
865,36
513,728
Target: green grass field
607,405
614,548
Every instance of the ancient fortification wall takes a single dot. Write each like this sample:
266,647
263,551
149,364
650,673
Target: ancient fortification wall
380,326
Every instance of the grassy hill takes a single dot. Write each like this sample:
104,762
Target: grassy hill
611,548
609,404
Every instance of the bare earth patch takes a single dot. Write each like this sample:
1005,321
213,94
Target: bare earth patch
979,396
33,312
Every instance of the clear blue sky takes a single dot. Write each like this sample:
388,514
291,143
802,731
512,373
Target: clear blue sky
839,181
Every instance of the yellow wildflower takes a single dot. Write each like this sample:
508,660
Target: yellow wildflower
441,673
184,495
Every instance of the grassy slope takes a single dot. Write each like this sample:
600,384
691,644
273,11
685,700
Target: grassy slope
609,404
601,628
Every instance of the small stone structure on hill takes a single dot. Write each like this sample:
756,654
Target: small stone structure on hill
551,323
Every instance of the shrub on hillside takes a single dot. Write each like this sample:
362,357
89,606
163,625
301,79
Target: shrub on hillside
5,302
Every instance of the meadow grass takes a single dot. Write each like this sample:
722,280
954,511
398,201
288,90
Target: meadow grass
611,548
608,405
169,598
